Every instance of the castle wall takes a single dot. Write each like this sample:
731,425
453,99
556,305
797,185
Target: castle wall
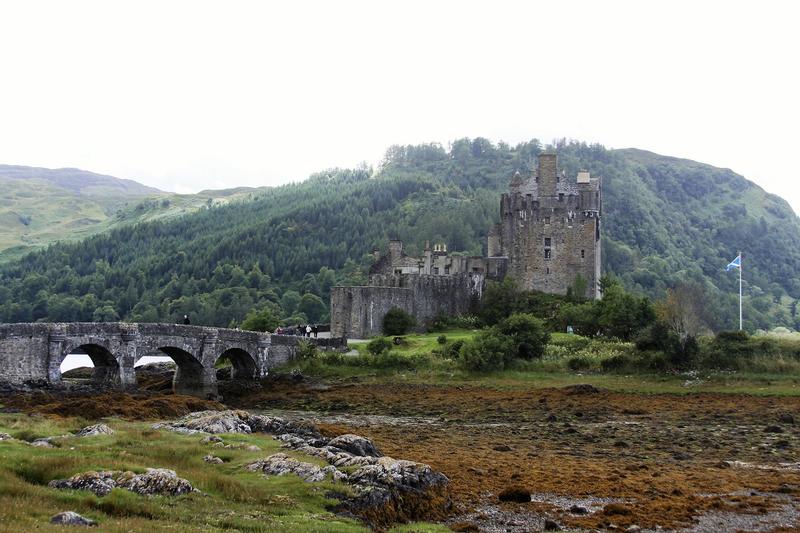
357,312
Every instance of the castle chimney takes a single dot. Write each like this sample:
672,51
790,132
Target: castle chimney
548,174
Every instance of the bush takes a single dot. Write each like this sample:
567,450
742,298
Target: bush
441,339
487,352
397,322
579,363
615,363
453,350
378,345
307,350
527,333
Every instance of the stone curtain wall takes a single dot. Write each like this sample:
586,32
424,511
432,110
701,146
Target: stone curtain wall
357,312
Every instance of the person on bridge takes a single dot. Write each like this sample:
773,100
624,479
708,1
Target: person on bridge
186,320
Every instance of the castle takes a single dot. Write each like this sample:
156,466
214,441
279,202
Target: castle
548,240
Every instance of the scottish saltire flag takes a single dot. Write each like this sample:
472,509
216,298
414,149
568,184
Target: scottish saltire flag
736,263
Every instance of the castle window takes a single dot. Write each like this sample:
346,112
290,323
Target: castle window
561,197
583,254
447,270
546,220
436,271
398,271
547,254
547,241
547,271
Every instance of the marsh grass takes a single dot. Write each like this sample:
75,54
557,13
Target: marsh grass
231,498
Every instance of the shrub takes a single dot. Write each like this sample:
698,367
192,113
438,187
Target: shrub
307,350
441,339
527,333
579,363
454,349
487,352
615,363
397,322
378,345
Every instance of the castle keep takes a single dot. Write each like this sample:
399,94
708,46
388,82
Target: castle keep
548,240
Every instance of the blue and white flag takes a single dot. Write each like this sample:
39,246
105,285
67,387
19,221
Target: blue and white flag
736,263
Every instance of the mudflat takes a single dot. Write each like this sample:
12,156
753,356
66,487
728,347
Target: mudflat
588,457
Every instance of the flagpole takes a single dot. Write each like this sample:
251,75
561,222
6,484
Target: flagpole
740,291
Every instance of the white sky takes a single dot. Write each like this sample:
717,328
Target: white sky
192,95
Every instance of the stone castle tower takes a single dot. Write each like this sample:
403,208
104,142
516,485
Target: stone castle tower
550,230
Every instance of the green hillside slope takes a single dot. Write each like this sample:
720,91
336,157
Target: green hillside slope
40,206
666,220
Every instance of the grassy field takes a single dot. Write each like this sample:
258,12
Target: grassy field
421,358
230,499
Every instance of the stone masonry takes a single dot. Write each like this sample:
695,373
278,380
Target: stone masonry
548,239
32,353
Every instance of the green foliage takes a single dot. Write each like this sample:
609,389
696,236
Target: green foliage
379,345
527,333
487,352
307,350
397,322
260,320
666,220
441,339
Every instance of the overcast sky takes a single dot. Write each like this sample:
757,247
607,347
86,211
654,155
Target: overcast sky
190,95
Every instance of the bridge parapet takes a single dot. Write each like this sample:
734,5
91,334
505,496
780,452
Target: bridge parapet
33,352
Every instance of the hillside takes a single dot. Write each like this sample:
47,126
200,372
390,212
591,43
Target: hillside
666,220
40,206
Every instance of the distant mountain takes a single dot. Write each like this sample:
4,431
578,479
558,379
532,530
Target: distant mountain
666,220
39,206
80,182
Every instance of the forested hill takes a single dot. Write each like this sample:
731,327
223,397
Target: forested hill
666,220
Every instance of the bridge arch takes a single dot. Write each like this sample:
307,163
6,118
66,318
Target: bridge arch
243,364
106,364
191,377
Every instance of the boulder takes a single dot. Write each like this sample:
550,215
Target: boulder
98,483
280,464
96,429
355,444
43,443
154,481
157,481
5,436
71,518
213,459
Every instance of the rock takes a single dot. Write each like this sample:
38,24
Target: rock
786,418
98,483
211,422
43,443
157,481
551,418
71,518
681,456
154,481
210,439
236,421
5,436
582,388
280,464
551,525
502,448
621,444
213,459
773,429
577,509
633,529
355,445
96,429
787,488
515,494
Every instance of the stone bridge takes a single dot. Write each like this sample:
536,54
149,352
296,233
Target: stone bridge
33,353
